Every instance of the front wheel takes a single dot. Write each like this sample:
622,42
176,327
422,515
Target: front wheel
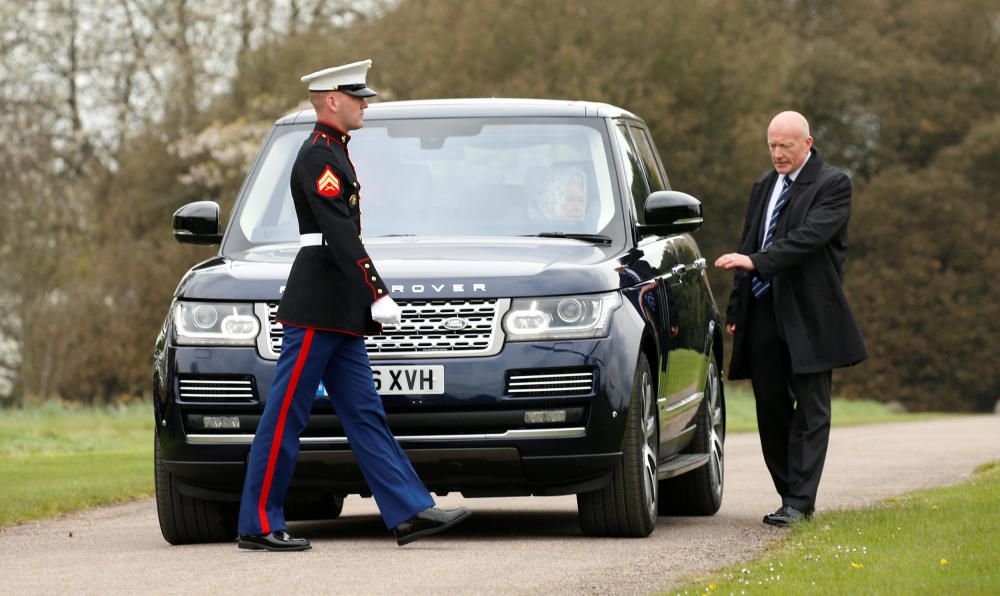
188,520
627,506
699,492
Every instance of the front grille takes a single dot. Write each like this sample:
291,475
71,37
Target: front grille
473,329
550,382
216,389
423,328
275,332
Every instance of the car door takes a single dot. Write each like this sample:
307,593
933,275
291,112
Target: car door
682,338
647,270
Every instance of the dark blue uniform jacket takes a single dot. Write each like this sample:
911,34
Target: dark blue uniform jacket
331,286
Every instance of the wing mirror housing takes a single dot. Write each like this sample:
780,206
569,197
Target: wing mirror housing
671,212
197,223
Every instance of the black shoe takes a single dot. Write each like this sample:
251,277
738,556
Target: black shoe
429,521
786,516
279,540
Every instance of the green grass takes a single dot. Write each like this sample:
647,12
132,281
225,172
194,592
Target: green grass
55,459
52,427
937,541
742,417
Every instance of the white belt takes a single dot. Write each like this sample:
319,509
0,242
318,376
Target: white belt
310,239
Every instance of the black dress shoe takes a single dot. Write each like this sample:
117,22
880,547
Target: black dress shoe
429,521
786,516
279,540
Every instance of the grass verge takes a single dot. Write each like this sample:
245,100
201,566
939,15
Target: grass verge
936,541
55,459
45,484
741,415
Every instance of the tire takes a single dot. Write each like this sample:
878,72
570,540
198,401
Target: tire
323,506
187,520
627,506
699,492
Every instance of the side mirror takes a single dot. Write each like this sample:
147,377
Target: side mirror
671,212
197,223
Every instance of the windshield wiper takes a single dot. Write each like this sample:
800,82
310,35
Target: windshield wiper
595,238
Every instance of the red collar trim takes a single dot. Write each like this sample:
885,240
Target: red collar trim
334,132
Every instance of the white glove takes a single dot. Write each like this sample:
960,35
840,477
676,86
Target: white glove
386,311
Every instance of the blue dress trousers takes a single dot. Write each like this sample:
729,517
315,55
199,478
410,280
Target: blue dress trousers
340,360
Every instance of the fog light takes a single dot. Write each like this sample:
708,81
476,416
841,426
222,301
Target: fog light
544,416
221,421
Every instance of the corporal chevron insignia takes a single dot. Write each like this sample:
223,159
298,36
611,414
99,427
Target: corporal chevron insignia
328,184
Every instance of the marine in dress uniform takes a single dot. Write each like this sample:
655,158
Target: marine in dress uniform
333,298
788,313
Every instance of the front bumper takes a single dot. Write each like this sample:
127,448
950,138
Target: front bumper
475,438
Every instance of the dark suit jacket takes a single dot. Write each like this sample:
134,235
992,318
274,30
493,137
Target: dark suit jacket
330,286
805,264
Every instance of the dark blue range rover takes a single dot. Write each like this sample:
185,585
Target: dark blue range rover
558,333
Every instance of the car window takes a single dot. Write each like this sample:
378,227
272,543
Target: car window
453,177
648,156
268,216
634,178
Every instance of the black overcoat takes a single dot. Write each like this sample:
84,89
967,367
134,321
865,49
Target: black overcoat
331,286
805,264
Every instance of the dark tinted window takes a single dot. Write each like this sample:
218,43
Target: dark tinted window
634,178
648,155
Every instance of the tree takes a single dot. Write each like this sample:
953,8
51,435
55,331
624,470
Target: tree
130,108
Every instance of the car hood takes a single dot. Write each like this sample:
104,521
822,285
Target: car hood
428,268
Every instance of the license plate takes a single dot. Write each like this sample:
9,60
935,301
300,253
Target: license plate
409,380
403,380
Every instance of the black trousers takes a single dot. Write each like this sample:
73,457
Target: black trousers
793,410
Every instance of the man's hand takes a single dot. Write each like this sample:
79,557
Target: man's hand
734,260
386,311
731,329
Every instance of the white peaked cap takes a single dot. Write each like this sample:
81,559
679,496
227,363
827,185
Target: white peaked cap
349,79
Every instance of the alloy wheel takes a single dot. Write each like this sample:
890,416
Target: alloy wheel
650,445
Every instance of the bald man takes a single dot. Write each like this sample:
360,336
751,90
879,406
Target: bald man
790,321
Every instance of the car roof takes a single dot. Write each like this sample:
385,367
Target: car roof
494,107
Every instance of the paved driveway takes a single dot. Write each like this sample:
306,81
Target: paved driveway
522,545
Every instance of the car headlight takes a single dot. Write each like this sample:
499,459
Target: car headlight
215,323
563,317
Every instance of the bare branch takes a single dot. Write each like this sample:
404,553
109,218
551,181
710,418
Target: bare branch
140,48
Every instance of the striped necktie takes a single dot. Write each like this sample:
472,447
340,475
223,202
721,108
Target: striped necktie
758,286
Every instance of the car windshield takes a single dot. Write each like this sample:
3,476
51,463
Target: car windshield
451,177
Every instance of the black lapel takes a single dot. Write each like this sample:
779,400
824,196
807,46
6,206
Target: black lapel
806,177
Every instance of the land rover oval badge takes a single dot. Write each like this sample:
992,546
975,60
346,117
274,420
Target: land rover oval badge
455,324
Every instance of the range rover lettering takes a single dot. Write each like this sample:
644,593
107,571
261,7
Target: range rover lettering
558,333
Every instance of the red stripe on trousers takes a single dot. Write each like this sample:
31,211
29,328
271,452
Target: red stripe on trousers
265,526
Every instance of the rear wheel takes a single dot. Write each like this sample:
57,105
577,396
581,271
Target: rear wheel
187,520
699,492
627,506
